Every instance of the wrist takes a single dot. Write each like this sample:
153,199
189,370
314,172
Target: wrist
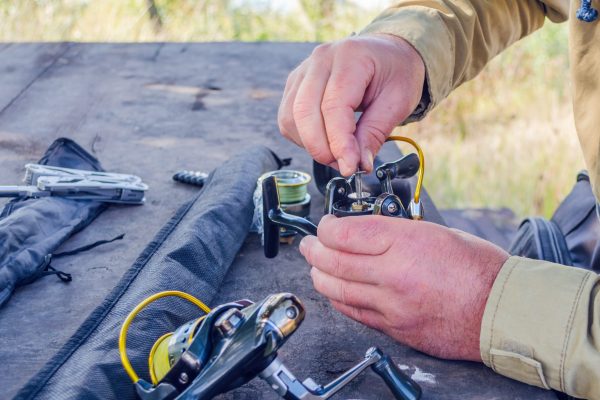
492,267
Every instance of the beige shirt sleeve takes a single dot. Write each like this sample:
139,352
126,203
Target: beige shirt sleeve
456,38
541,324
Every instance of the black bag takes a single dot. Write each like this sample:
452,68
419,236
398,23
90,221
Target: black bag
32,229
570,237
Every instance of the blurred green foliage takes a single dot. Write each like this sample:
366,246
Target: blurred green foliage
180,20
503,139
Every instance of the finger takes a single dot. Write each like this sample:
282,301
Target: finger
378,120
285,115
334,165
373,128
343,95
307,108
367,234
351,267
354,294
368,317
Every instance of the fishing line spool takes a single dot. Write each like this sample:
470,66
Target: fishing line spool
292,188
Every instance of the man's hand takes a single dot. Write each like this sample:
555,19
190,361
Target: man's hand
380,75
423,284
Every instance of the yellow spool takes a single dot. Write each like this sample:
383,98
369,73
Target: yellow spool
123,333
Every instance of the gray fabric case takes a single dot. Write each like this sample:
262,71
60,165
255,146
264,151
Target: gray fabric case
191,253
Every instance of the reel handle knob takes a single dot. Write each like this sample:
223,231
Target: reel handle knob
401,385
403,168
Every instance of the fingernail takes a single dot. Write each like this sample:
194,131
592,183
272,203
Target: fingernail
345,168
302,245
327,216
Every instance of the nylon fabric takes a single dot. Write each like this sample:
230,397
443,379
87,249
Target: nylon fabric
191,253
570,237
31,229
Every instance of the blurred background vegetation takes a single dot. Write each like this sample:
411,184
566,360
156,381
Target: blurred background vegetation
505,139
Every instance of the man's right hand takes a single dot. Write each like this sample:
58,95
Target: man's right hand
380,75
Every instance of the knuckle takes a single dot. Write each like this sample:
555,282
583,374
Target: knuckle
319,152
303,110
285,124
350,46
341,145
375,133
321,50
336,264
356,314
317,282
331,102
290,81
346,293
308,254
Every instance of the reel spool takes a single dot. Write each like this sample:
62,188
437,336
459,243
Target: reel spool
167,350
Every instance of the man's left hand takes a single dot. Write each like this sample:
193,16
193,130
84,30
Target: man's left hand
423,284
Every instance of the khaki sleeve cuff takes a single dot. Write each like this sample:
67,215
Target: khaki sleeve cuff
529,318
424,29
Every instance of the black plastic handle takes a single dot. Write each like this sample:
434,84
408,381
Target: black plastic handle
401,385
403,168
274,217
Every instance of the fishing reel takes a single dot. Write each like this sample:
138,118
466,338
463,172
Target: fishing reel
235,343
346,198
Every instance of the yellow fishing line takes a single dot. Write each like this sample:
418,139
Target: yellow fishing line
395,138
123,334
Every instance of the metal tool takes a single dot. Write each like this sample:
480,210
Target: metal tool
44,181
237,342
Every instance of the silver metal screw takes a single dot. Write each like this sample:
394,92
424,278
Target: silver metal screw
291,312
183,378
392,208
358,185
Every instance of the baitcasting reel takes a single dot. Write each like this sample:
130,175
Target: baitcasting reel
346,197
233,344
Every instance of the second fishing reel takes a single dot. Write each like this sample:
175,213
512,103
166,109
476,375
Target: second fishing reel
237,342
346,197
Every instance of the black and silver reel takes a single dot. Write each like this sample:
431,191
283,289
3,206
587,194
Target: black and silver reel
235,343
346,198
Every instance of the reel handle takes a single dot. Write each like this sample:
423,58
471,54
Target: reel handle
403,168
274,217
401,385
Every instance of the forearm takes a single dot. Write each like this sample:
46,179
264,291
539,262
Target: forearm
456,39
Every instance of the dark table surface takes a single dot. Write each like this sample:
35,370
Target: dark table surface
150,110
